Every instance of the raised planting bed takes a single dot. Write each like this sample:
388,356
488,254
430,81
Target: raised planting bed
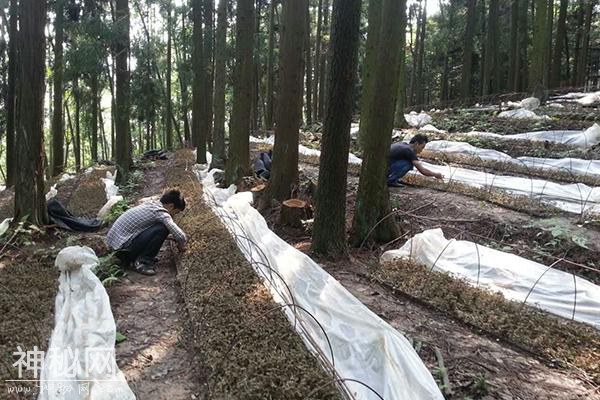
246,345
560,342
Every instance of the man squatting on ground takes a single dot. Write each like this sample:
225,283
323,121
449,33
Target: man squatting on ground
138,234
403,156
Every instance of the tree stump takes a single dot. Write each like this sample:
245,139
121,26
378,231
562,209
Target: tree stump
257,191
293,211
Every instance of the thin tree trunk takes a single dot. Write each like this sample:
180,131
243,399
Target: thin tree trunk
415,59
122,132
419,86
284,173
521,80
444,95
11,167
238,162
467,66
168,121
95,104
329,230
208,56
539,50
72,131
399,119
561,33
198,86
309,71
270,66
490,85
578,48
513,52
324,62
585,44
58,137
218,159
77,142
29,185
372,202
317,75
548,56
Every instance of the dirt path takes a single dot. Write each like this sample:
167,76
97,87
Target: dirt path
150,312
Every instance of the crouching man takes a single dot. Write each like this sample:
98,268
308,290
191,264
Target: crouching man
138,234
403,157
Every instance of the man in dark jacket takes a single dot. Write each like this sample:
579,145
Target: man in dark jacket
403,157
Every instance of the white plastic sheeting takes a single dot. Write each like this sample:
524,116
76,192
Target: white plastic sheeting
82,346
111,194
418,120
364,347
352,159
572,165
431,128
582,139
574,198
51,193
521,113
517,278
589,99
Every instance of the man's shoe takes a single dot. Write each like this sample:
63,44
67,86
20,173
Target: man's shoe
144,268
395,184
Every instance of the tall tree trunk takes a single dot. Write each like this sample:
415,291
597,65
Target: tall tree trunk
415,59
324,62
94,104
29,185
11,167
578,36
561,33
58,136
368,73
539,50
183,84
444,95
548,56
270,66
490,85
521,80
585,44
238,162
77,141
284,173
467,66
168,122
419,86
122,132
198,86
399,119
208,37
513,48
218,156
317,76
372,202
309,71
329,231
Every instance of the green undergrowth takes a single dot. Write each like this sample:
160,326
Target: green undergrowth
561,342
247,346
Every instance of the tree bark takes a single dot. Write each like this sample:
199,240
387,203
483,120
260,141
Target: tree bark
317,76
329,229
30,201
372,202
284,173
521,80
585,44
309,71
539,50
198,85
467,66
513,51
561,33
238,162
58,136
218,156
77,142
11,166
490,83
324,62
270,66
578,36
419,86
168,122
368,76
122,132
208,37
399,119
94,106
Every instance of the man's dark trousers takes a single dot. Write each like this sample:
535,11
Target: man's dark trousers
145,246
398,169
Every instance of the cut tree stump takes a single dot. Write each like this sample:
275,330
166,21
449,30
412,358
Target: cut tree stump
293,211
257,191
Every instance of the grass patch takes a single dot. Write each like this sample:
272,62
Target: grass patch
564,343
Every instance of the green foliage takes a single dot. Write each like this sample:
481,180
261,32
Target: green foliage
115,212
120,338
480,387
561,232
108,271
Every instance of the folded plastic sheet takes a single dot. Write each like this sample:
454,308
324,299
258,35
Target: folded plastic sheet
112,197
80,361
582,139
352,159
364,346
575,198
572,165
517,278
418,120
431,128
521,113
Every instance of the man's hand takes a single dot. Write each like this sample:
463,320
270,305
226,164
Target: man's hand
181,247
438,176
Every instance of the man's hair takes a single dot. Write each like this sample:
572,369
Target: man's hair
173,197
419,138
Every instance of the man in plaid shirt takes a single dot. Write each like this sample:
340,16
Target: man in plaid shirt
138,234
